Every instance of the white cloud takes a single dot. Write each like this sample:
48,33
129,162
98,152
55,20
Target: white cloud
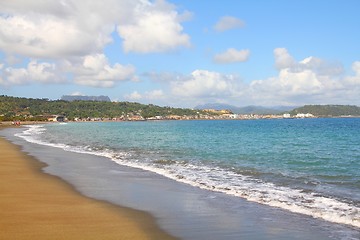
48,37
204,83
155,94
163,77
95,71
58,29
134,96
77,32
354,81
2,81
149,95
311,80
356,68
232,55
12,60
155,28
35,72
91,70
227,23
283,59
288,83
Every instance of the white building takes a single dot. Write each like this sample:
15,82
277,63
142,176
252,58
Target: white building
304,115
286,115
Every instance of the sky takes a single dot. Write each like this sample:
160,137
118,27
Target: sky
183,53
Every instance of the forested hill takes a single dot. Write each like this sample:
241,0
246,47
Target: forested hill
36,109
328,110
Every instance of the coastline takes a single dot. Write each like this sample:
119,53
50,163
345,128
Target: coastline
180,209
38,205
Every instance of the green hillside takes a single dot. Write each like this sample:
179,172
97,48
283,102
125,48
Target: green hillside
14,108
328,110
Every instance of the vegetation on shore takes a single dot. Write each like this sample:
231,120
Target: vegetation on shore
328,110
15,108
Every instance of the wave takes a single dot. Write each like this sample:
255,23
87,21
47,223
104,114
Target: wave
228,181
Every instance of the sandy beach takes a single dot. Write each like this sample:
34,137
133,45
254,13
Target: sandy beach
35,205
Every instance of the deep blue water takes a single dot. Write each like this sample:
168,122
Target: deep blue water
309,166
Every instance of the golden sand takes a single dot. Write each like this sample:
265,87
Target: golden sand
35,205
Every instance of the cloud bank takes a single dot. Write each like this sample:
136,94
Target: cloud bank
77,32
308,81
311,80
154,28
41,72
96,71
203,83
148,95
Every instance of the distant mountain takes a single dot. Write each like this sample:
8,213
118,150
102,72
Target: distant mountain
215,106
257,110
245,110
328,110
71,98
284,108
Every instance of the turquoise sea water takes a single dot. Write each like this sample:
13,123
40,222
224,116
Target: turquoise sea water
309,166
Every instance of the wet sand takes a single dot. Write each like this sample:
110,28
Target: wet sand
35,205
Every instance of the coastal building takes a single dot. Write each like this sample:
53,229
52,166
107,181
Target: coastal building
56,118
220,112
304,115
286,115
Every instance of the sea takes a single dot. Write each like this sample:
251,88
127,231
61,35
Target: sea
298,177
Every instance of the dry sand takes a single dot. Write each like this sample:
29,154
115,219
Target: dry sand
35,205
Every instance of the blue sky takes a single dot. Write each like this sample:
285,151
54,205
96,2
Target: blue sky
183,53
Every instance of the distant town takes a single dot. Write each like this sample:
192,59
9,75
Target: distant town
215,115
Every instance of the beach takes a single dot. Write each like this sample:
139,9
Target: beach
35,205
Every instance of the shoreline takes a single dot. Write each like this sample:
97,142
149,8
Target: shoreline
34,204
6,124
180,209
